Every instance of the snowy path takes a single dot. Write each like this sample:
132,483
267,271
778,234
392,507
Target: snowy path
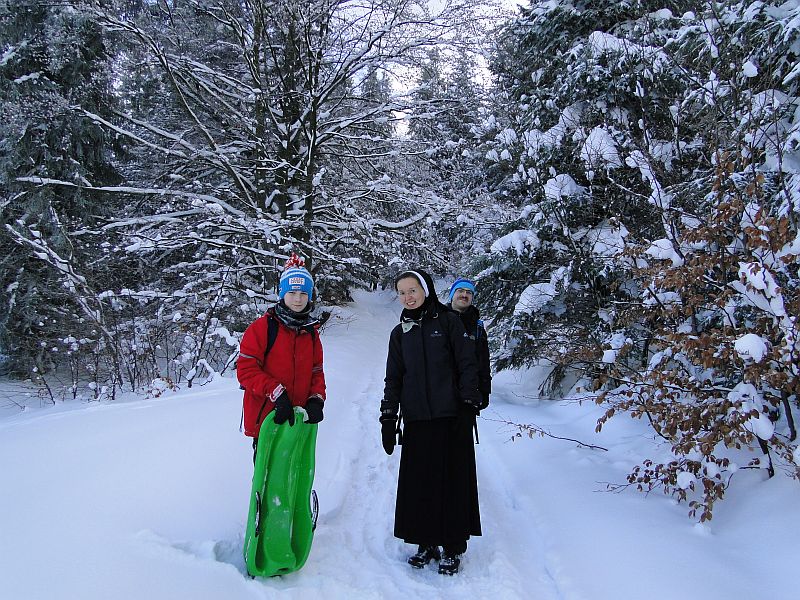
357,481
147,499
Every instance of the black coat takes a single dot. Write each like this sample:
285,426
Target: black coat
431,372
431,367
471,318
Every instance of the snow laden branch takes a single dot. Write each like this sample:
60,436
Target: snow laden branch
180,86
287,112
223,206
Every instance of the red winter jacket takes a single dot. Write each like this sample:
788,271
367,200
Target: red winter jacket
294,363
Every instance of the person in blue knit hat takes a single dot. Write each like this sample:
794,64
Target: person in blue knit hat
462,284
296,278
461,298
280,363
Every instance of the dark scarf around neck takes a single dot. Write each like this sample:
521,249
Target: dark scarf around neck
294,320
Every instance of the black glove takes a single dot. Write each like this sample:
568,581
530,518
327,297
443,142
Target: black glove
388,433
284,410
484,401
314,410
473,403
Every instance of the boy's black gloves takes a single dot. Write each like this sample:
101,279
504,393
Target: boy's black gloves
283,409
388,433
314,410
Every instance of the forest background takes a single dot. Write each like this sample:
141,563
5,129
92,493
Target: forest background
619,177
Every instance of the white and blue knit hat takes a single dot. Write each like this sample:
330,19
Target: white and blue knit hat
461,284
296,278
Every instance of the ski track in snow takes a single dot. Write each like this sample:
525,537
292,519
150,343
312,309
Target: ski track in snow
526,555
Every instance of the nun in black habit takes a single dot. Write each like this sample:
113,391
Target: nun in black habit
431,377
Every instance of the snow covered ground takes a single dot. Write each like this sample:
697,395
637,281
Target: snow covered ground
147,499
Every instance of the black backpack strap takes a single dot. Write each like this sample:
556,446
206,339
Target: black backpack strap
272,333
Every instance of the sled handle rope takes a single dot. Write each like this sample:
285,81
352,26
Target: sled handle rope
314,510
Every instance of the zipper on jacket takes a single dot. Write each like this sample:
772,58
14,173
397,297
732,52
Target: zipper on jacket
294,360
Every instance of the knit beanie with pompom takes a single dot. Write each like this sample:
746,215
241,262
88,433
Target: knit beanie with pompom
296,278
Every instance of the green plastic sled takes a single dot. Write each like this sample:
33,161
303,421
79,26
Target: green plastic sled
280,526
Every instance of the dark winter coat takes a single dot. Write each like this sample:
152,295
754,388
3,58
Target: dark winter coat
471,318
293,363
431,368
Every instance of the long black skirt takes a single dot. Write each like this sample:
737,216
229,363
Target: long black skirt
437,488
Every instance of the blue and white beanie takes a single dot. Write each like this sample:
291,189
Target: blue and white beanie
296,278
461,284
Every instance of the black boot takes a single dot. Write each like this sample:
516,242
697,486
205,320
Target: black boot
449,564
424,555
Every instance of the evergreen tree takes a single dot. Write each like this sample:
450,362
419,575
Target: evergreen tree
430,94
571,112
648,152
719,282
448,123
54,63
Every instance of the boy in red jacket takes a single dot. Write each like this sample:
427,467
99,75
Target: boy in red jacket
289,373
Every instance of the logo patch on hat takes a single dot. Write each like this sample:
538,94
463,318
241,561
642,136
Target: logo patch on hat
297,280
